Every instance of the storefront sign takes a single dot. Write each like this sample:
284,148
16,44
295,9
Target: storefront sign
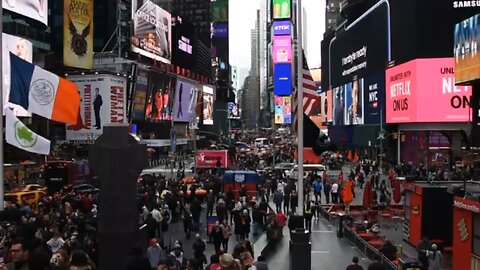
467,205
282,28
409,86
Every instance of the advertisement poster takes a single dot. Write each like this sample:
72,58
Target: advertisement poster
23,49
282,79
140,97
374,95
466,39
220,30
329,106
233,110
183,53
425,79
184,95
152,33
34,9
220,11
323,106
282,9
354,102
339,105
78,33
199,104
282,49
207,105
283,110
103,102
160,97
282,28
212,158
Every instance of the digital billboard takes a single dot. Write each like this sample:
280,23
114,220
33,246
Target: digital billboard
423,90
282,28
467,57
208,99
219,11
220,30
183,51
103,102
349,103
185,93
160,97
21,48
282,79
140,96
374,97
282,49
282,9
78,33
283,110
233,112
37,10
152,33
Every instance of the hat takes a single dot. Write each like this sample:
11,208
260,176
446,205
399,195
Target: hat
153,241
227,260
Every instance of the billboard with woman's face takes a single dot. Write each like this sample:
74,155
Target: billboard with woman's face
207,105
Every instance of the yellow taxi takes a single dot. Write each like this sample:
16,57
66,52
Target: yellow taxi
29,197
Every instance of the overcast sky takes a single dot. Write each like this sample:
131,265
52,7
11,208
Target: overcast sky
242,19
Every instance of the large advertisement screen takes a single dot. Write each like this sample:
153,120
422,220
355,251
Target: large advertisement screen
152,33
160,97
21,48
208,105
467,57
233,112
349,106
219,11
220,30
282,28
185,94
283,110
78,33
183,50
282,49
212,158
37,10
282,9
140,97
282,79
410,86
103,101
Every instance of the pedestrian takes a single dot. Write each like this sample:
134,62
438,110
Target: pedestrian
217,236
278,199
354,265
222,212
187,223
317,189
261,263
210,203
154,253
199,247
294,200
435,257
335,193
327,187
307,213
227,232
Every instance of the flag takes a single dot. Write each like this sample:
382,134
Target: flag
18,135
311,100
42,92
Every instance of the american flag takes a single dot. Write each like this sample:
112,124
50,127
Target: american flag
311,99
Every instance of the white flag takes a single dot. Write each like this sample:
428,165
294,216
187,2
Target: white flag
19,135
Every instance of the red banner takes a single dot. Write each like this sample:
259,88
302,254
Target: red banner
212,158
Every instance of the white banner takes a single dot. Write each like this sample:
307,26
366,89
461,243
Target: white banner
23,49
103,102
34,9
152,31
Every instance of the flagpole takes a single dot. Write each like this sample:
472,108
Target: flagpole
300,107
2,174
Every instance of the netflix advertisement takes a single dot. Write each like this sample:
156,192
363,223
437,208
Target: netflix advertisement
409,85
212,158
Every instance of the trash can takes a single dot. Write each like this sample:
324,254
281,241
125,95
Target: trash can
300,249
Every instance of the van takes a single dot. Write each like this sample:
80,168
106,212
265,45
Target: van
261,142
32,198
307,169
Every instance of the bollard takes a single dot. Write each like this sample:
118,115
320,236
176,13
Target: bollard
117,159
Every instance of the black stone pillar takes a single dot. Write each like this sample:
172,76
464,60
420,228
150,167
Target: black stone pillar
117,159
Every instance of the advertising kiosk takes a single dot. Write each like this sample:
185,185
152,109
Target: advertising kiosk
466,234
